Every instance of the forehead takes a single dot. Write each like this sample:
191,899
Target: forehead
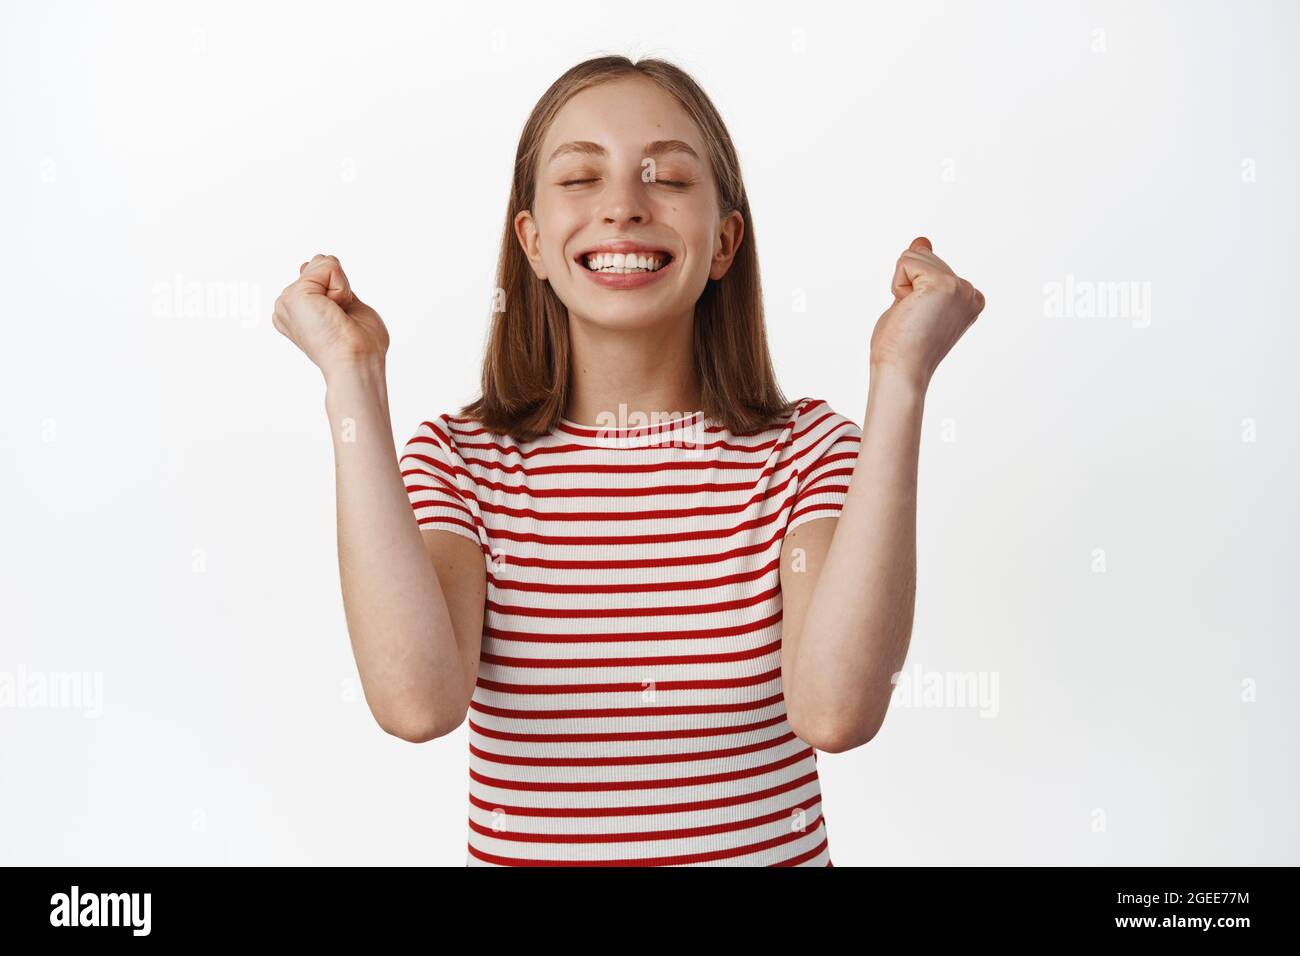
622,115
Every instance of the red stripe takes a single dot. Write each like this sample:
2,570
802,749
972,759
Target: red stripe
630,687
517,610
636,836
821,506
617,638
610,736
569,662
674,561
422,522
631,761
653,809
602,786
703,584
805,857
682,860
593,713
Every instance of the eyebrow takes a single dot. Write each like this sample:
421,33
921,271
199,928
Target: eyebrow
659,147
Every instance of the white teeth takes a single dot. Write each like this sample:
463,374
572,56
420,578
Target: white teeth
622,263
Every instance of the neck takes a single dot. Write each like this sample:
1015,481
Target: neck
623,372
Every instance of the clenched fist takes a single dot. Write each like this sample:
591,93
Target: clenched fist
932,308
321,315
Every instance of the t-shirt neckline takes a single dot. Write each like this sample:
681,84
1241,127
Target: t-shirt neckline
669,431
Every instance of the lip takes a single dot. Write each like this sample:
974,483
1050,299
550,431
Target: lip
633,280
627,280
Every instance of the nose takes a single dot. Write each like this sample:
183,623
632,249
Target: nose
625,201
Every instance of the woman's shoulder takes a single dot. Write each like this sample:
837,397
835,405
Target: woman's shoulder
815,416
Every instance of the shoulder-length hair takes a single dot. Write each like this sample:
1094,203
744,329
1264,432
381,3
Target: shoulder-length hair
526,364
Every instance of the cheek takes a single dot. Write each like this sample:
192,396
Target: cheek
701,247
695,222
557,223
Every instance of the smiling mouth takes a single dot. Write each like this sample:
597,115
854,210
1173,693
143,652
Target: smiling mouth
618,263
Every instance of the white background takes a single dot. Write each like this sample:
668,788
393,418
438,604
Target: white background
167,500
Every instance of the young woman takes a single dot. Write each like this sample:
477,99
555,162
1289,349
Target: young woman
644,575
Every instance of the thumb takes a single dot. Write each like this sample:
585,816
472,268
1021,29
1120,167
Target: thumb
921,244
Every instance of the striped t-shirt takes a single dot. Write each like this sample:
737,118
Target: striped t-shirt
628,709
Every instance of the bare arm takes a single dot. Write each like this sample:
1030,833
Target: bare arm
413,599
848,614
847,618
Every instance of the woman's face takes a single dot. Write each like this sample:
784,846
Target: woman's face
623,161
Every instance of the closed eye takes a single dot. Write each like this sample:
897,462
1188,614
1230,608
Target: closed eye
667,182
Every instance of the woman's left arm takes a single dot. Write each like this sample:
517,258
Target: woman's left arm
848,599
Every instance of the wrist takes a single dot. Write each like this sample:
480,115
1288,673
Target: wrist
360,368
906,384
357,379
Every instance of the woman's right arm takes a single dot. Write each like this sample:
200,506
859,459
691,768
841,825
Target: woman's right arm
413,600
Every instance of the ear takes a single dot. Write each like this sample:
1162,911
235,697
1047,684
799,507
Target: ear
731,231
530,241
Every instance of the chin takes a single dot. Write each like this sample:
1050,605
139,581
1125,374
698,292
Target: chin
620,310
627,317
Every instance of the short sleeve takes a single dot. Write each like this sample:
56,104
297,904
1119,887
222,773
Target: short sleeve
825,446
440,487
